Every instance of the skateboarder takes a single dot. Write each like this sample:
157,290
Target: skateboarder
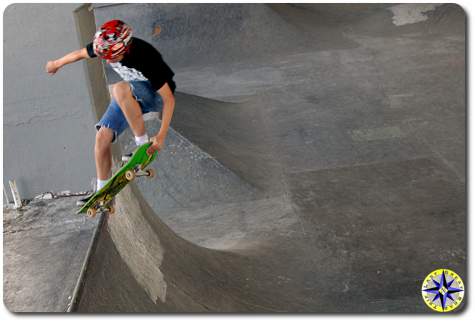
147,85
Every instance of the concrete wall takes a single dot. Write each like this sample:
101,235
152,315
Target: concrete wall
48,120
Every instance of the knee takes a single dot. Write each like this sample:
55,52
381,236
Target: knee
104,139
121,91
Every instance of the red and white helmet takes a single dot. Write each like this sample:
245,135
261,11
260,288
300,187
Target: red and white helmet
112,39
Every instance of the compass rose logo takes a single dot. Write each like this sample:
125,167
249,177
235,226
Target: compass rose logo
443,290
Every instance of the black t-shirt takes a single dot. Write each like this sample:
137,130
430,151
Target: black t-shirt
141,63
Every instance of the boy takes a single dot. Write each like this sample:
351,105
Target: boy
144,74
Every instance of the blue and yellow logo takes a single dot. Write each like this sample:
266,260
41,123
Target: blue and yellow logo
443,290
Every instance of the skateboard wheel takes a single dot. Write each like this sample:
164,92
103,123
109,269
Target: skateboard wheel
130,175
91,212
111,210
150,173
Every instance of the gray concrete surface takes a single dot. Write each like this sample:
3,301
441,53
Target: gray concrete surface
318,163
44,245
47,121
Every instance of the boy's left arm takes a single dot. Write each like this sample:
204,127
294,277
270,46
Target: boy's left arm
168,98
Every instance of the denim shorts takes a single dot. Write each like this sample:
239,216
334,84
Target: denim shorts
148,99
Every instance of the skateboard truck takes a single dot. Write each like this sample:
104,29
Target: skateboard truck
137,172
107,206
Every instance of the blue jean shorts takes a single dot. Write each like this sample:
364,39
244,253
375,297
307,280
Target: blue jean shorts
148,99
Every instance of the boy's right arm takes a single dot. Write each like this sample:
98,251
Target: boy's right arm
54,65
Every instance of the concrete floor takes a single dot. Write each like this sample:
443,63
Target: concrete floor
318,163
44,245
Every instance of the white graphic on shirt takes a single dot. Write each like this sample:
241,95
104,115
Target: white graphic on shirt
128,74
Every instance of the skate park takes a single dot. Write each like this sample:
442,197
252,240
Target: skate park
316,162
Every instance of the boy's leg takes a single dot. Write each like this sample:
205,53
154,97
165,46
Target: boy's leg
122,93
103,153
103,156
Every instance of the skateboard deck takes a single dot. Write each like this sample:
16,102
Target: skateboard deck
134,167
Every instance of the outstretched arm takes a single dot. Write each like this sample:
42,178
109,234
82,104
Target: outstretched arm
168,107
54,65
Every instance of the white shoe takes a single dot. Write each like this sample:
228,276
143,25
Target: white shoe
126,157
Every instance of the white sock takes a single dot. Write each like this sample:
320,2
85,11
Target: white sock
140,140
100,184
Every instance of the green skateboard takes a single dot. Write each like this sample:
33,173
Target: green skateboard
135,167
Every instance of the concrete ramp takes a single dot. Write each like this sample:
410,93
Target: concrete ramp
318,158
140,265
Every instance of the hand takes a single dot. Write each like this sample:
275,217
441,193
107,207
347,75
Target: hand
51,67
158,142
